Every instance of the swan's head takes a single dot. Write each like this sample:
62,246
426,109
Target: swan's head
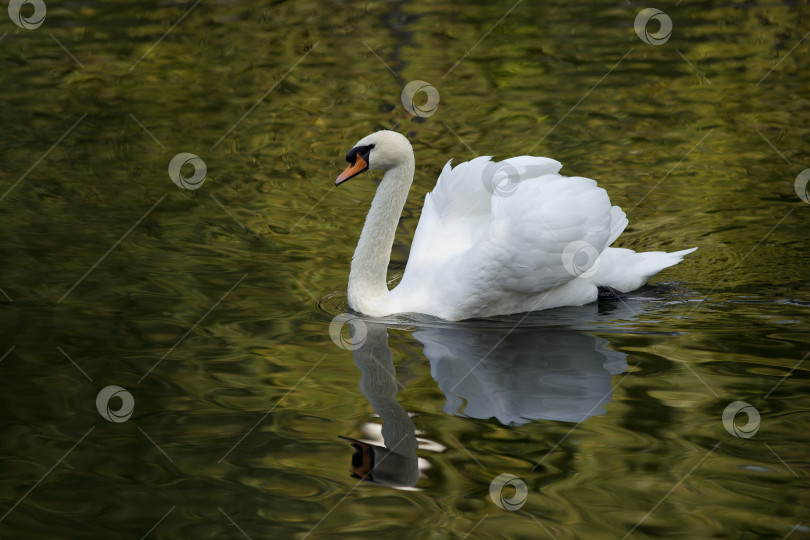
380,151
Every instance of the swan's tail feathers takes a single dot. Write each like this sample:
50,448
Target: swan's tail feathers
618,222
655,261
679,255
626,270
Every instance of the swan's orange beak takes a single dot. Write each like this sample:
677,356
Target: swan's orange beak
358,159
352,170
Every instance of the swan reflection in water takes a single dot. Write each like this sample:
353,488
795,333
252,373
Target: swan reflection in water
515,375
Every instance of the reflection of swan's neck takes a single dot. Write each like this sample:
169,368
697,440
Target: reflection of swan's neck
378,383
368,287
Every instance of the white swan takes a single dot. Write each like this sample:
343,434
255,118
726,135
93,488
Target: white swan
493,239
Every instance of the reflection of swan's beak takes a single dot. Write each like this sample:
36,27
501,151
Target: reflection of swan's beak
358,162
384,466
362,460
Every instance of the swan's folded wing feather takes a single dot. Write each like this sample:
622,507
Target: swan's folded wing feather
475,246
618,222
521,250
458,210
457,192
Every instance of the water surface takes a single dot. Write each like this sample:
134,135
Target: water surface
212,306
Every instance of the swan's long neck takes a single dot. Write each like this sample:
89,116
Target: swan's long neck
368,285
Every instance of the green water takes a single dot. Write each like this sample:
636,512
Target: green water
212,306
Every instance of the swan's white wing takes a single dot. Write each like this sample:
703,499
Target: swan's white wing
522,249
478,246
459,209
618,222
